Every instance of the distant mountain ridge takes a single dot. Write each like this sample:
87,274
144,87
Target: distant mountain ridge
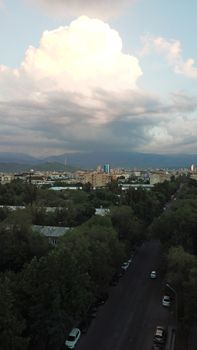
20,158
126,159
92,159
20,167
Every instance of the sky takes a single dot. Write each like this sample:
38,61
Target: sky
88,75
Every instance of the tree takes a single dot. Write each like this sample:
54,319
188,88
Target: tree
190,300
12,324
50,298
18,244
126,224
179,264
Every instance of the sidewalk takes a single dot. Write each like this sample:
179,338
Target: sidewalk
170,345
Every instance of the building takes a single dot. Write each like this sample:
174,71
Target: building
6,178
106,168
96,179
158,177
125,187
102,211
53,233
65,188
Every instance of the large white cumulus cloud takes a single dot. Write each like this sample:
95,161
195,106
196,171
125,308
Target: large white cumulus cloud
55,91
79,91
88,53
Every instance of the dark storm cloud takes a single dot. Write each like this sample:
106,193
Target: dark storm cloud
61,123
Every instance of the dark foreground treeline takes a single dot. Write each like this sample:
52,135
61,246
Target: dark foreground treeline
44,291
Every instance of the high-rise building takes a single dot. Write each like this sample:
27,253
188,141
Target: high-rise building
106,168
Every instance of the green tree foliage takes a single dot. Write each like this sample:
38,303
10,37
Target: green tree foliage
178,225
18,244
51,290
190,299
4,212
12,324
114,187
47,292
103,198
167,188
182,274
51,299
105,253
179,264
127,225
145,204
176,229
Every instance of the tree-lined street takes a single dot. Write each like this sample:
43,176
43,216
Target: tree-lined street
128,319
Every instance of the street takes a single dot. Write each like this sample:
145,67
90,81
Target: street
129,317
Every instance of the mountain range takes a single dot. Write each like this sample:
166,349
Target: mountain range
21,161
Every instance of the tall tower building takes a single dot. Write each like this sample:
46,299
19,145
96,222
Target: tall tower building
106,168
192,167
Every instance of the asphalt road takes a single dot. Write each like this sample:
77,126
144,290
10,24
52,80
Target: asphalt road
128,319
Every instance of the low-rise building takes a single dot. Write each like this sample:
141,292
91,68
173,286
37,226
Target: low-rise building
53,233
6,178
96,179
157,177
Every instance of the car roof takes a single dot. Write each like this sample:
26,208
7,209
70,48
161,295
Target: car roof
159,332
161,327
74,331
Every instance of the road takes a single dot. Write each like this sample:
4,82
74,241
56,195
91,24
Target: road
128,319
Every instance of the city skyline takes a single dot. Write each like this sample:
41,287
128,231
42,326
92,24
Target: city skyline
102,76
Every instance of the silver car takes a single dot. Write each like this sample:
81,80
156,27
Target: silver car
73,338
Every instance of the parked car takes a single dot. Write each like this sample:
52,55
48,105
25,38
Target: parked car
73,338
125,265
153,274
166,301
160,335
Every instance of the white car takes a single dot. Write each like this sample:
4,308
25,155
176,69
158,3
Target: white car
125,265
166,301
153,274
73,338
160,335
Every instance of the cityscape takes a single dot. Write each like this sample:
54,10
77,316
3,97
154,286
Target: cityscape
98,175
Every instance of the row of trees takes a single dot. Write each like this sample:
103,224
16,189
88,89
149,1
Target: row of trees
177,230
